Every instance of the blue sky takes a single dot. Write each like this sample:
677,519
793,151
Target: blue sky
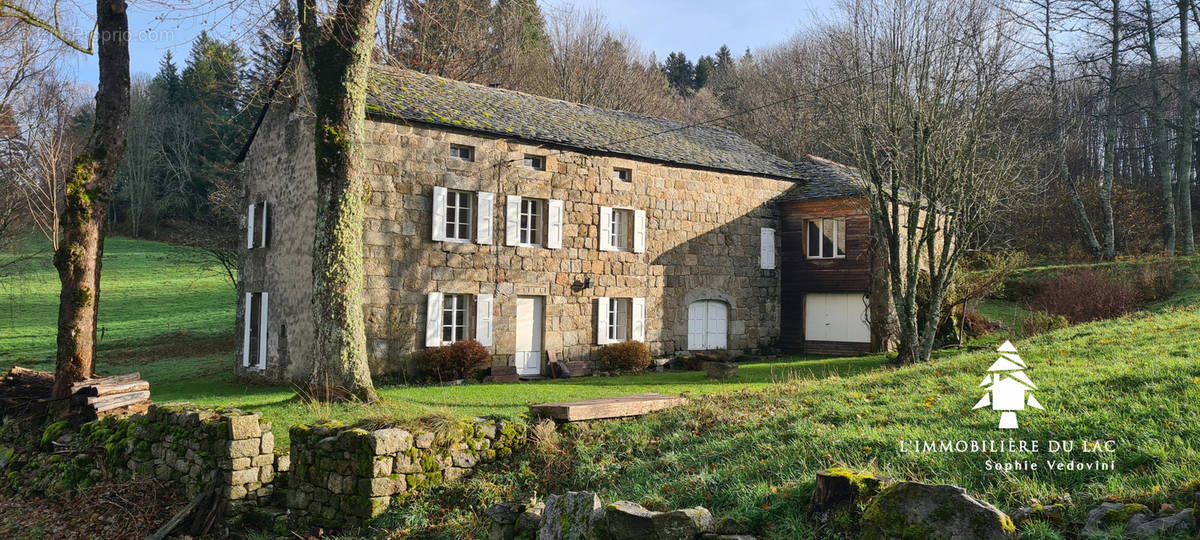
695,27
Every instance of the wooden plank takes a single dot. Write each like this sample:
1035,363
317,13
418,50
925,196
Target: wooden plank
104,403
128,377
614,407
114,388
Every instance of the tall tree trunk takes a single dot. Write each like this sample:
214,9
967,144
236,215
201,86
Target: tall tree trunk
1089,234
337,52
1158,123
85,205
1110,132
1183,167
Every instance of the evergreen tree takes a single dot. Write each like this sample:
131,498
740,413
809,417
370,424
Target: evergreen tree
724,60
167,84
269,55
680,72
704,71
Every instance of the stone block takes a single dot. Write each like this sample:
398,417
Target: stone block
268,443
383,466
244,426
424,440
390,441
264,459
241,463
244,448
244,476
463,459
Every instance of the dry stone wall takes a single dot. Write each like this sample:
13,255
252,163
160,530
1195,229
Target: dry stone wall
342,476
195,449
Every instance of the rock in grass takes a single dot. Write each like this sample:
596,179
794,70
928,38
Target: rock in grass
630,521
917,510
840,492
575,515
1111,515
1181,524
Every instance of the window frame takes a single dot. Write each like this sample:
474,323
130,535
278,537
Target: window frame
535,162
620,319
457,150
623,174
531,222
456,306
621,235
466,201
838,243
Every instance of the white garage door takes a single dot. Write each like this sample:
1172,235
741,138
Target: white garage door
708,322
836,317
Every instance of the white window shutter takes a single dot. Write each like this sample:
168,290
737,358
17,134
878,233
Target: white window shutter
512,220
639,231
266,225
602,321
439,214
606,226
250,228
766,257
638,319
483,319
554,221
262,334
246,333
433,320
485,205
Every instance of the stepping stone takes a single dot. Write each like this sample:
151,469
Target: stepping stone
614,407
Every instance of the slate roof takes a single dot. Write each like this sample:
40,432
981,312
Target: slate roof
821,178
409,95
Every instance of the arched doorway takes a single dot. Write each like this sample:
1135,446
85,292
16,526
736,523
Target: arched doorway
708,325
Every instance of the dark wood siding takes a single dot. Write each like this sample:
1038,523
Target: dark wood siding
800,275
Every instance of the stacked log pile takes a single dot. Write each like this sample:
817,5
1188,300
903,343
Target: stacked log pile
121,395
27,391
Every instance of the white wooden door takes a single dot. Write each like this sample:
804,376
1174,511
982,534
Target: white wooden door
836,317
529,335
708,325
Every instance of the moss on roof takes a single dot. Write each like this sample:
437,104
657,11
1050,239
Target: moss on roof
409,95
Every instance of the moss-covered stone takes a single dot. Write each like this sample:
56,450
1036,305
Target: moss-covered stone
912,510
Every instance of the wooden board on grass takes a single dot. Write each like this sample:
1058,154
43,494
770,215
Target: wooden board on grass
614,407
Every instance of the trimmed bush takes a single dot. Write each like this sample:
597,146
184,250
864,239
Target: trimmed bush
459,360
625,356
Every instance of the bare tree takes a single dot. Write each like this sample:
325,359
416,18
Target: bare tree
934,125
46,118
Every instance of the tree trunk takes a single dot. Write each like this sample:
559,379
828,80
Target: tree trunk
85,205
1110,132
1158,123
1183,167
337,52
1089,234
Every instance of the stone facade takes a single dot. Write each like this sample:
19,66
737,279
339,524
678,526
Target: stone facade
342,476
702,241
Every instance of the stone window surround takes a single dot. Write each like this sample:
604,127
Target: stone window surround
462,152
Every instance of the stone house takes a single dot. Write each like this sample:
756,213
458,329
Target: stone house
535,225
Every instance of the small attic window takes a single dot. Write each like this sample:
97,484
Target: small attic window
463,152
624,175
537,163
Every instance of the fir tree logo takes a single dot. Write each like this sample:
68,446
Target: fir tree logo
1007,387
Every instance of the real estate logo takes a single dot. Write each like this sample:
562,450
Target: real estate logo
1008,387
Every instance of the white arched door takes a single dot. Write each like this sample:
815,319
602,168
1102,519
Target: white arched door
708,325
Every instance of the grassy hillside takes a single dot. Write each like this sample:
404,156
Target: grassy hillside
157,301
752,456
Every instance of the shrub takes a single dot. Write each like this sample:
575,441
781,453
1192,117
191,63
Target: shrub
625,356
1032,323
459,360
977,325
1087,295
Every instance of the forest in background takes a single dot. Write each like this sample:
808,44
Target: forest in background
1109,113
